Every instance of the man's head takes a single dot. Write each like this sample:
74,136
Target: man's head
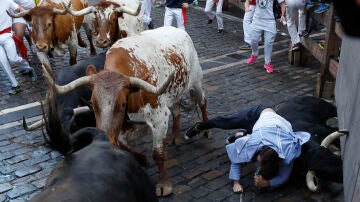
269,162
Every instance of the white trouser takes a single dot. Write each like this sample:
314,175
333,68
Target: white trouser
146,7
8,54
269,28
295,8
218,12
248,17
169,16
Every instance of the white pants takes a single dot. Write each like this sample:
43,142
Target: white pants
248,17
269,28
170,13
146,7
294,9
217,14
8,54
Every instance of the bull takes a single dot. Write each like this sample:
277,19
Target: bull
94,170
112,24
316,161
61,119
164,57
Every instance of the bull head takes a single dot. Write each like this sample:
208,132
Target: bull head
109,96
107,14
42,19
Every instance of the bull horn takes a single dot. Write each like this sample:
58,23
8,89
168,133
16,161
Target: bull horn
81,12
129,11
310,181
33,126
58,11
81,110
139,83
18,15
330,138
68,87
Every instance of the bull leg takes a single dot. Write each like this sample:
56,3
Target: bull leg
200,98
175,111
73,52
81,43
157,119
89,36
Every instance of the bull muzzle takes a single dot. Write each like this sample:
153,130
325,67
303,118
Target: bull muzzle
42,47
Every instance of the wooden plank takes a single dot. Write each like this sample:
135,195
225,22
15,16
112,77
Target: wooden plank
333,67
339,30
237,3
322,18
313,47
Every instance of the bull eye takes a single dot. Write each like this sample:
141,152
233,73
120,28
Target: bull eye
49,24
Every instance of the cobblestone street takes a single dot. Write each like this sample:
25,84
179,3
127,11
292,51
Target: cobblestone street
199,167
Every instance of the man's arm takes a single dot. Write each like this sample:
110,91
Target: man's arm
283,175
247,5
283,9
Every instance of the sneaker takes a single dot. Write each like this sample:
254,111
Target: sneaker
304,34
159,5
210,21
296,47
195,3
14,90
260,43
269,68
24,70
192,131
251,59
151,25
220,30
232,138
322,8
245,46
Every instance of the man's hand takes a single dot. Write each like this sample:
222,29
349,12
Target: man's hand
260,181
185,5
237,188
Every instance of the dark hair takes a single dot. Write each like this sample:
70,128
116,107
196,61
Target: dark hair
270,162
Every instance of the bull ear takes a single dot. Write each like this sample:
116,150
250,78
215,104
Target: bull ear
90,70
27,18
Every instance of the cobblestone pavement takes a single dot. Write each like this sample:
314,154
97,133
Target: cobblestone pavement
199,167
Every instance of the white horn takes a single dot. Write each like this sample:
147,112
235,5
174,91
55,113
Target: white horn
129,11
139,83
81,110
33,126
81,12
18,15
310,181
58,11
68,87
330,138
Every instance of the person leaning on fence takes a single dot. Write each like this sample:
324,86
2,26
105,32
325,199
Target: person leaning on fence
272,143
294,9
218,13
7,45
174,8
264,21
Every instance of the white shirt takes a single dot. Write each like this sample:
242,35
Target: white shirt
264,9
271,119
5,19
26,4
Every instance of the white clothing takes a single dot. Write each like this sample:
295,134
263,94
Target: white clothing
248,17
8,53
264,9
170,13
146,7
26,4
295,8
5,19
269,29
272,119
209,5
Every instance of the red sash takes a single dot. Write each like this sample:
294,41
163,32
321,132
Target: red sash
184,14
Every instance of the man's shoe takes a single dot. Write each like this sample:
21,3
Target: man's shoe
24,70
296,47
304,34
210,21
245,46
14,90
192,131
151,25
322,8
220,30
269,68
251,59
231,139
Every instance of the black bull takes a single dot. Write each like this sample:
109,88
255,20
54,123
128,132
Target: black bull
61,120
96,171
310,114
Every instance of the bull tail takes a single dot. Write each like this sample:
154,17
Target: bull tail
58,139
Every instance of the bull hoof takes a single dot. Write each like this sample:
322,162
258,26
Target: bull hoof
82,44
93,52
164,189
177,141
207,134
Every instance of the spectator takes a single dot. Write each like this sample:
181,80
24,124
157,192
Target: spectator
146,6
249,13
173,8
295,8
218,13
7,45
264,21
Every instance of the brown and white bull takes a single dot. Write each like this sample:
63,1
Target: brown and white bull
112,24
164,57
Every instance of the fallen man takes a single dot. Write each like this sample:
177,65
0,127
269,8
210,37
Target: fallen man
273,144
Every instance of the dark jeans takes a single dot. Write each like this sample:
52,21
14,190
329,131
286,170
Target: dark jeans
244,119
